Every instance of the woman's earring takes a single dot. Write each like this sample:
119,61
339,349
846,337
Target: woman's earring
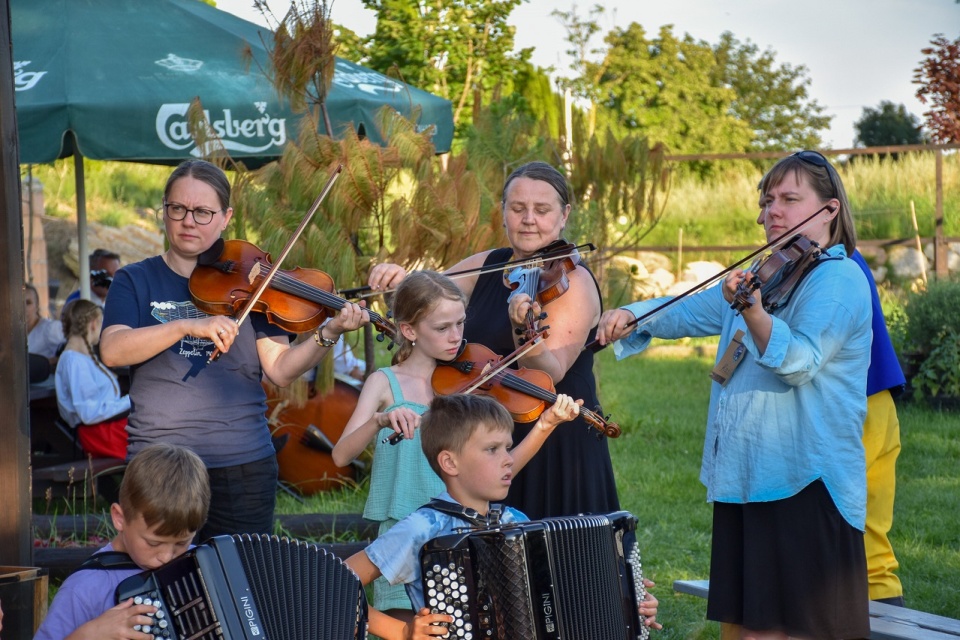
413,343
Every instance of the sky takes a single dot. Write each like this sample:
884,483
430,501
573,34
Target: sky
857,52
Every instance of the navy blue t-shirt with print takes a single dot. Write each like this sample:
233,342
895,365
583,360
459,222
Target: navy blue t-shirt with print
216,409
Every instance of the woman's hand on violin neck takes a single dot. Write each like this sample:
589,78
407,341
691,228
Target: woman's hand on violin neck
520,304
563,410
613,325
386,276
350,318
733,281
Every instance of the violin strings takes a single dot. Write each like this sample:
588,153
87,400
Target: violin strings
515,382
292,285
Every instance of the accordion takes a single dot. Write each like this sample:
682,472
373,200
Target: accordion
576,577
256,587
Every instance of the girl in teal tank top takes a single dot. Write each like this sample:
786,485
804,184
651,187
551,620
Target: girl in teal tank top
429,311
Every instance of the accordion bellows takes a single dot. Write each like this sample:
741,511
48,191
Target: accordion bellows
576,577
256,587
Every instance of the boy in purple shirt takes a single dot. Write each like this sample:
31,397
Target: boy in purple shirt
164,499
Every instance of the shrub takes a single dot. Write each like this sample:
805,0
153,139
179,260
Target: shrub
939,374
931,336
931,312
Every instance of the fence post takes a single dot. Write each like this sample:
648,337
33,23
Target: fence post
916,235
939,244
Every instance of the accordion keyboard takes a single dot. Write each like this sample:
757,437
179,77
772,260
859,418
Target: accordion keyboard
576,578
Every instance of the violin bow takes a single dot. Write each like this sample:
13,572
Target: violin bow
283,254
587,247
595,345
503,363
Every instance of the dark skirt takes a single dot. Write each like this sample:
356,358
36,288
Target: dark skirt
793,565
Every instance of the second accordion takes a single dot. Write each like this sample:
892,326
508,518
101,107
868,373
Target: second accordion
576,577
256,587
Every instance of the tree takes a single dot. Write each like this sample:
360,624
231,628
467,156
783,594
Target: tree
687,93
772,99
660,88
887,125
939,78
459,49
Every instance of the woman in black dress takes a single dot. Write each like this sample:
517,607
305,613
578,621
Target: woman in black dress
572,473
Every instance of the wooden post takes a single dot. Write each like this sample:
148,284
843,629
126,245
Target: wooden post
679,252
15,530
916,235
939,244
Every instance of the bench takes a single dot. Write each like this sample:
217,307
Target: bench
887,622
76,479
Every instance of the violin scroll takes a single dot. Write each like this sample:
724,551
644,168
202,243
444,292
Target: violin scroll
601,423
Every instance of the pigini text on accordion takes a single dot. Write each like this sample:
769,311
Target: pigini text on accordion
576,578
256,587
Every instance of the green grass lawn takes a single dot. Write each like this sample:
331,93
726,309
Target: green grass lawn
660,401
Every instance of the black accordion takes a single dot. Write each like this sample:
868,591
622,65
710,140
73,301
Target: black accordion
256,587
576,578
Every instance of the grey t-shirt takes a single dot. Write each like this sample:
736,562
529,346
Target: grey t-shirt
217,409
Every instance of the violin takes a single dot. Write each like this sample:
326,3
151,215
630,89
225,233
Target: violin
543,279
595,345
777,274
524,392
296,300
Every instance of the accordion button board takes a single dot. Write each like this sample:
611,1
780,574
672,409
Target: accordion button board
252,588
569,578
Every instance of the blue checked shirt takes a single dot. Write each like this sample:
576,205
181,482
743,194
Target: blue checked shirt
794,414
397,551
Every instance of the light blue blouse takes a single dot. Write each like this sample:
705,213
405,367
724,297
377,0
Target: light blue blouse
85,393
794,414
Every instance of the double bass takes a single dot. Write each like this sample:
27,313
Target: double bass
312,428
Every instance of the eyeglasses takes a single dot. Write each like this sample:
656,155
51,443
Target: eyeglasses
176,211
817,159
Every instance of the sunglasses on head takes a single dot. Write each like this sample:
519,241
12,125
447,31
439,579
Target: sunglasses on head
818,160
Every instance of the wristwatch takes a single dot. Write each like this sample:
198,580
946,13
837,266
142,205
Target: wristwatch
323,342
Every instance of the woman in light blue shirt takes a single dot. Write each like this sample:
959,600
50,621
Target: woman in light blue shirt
783,460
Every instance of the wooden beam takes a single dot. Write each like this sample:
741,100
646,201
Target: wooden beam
15,535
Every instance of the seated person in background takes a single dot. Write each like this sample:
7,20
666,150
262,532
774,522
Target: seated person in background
346,363
164,499
88,394
467,440
44,336
103,264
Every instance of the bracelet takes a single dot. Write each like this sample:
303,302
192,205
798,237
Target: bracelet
323,342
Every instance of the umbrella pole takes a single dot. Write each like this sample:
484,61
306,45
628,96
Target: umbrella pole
82,251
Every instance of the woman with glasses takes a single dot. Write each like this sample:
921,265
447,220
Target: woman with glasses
216,409
783,460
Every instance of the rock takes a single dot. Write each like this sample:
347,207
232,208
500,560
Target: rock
953,255
653,261
700,271
879,274
907,263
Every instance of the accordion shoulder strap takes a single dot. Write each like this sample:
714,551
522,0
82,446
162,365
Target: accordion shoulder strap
109,560
466,513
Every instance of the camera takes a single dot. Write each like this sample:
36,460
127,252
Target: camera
100,278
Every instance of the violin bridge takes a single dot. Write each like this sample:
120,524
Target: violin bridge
254,272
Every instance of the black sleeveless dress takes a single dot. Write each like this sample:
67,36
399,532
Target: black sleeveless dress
572,473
